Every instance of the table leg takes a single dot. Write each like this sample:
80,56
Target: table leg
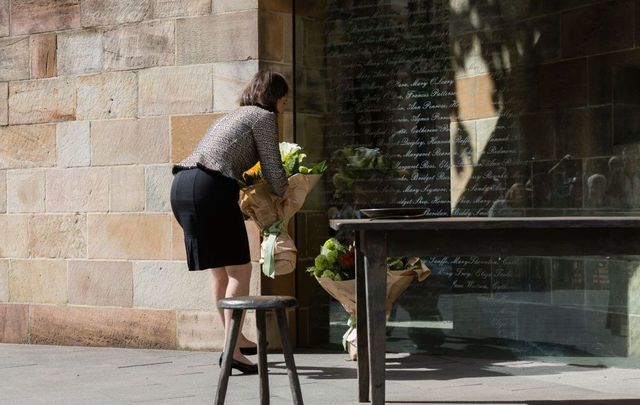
361,325
376,286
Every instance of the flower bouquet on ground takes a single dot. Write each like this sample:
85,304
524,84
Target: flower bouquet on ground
334,268
272,213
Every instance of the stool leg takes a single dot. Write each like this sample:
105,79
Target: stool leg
288,357
229,345
262,357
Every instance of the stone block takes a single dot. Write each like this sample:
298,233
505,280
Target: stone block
114,12
606,69
317,230
312,9
313,41
43,54
46,100
100,326
14,54
634,336
200,330
109,95
285,125
178,251
58,236
253,232
80,52
538,136
229,79
225,6
626,85
494,141
311,134
3,191
14,323
180,8
547,47
27,146
100,283
84,189
4,280
139,46
312,96
625,124
475,97
599,28
4,18
562,84
122,142
471,64
584,132
279,6
633,310
73,143
175,90
601,131
4,103
129,236
206,39
16,242
25,190
271,34
288,40
38,281
171,285
127,189
287,71
158,188
186,132
31,16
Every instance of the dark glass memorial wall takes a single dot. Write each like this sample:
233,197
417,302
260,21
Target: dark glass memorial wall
477,108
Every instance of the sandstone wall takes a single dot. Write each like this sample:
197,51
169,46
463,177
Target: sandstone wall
98,98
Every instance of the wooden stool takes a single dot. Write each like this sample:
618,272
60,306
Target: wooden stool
260,304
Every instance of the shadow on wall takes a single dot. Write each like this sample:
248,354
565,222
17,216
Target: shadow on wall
533,130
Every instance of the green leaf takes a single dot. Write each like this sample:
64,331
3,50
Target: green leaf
328,274
319,168
322,262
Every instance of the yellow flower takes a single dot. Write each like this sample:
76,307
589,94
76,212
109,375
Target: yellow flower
252,175
255,171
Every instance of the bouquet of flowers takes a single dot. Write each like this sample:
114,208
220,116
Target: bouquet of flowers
272,213
356,165
292,156
334,268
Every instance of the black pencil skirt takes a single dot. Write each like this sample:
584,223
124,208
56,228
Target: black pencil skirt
205,203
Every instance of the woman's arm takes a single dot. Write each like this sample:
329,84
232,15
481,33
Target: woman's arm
265,133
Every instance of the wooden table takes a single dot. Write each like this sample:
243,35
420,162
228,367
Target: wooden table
377,239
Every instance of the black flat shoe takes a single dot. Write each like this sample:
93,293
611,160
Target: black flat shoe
244,368
249,351
241,367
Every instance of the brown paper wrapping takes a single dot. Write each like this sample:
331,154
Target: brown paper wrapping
260,204
397,283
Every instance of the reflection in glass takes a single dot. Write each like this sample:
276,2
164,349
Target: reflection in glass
477,108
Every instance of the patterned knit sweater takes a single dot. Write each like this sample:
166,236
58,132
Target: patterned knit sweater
236,142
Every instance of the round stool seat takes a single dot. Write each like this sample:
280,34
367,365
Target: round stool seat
258,302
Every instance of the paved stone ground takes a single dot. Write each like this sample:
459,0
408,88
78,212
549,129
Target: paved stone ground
31,374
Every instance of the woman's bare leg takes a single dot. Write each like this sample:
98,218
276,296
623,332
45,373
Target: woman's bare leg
219,281
238,285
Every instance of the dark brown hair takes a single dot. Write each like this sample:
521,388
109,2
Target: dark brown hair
264,90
